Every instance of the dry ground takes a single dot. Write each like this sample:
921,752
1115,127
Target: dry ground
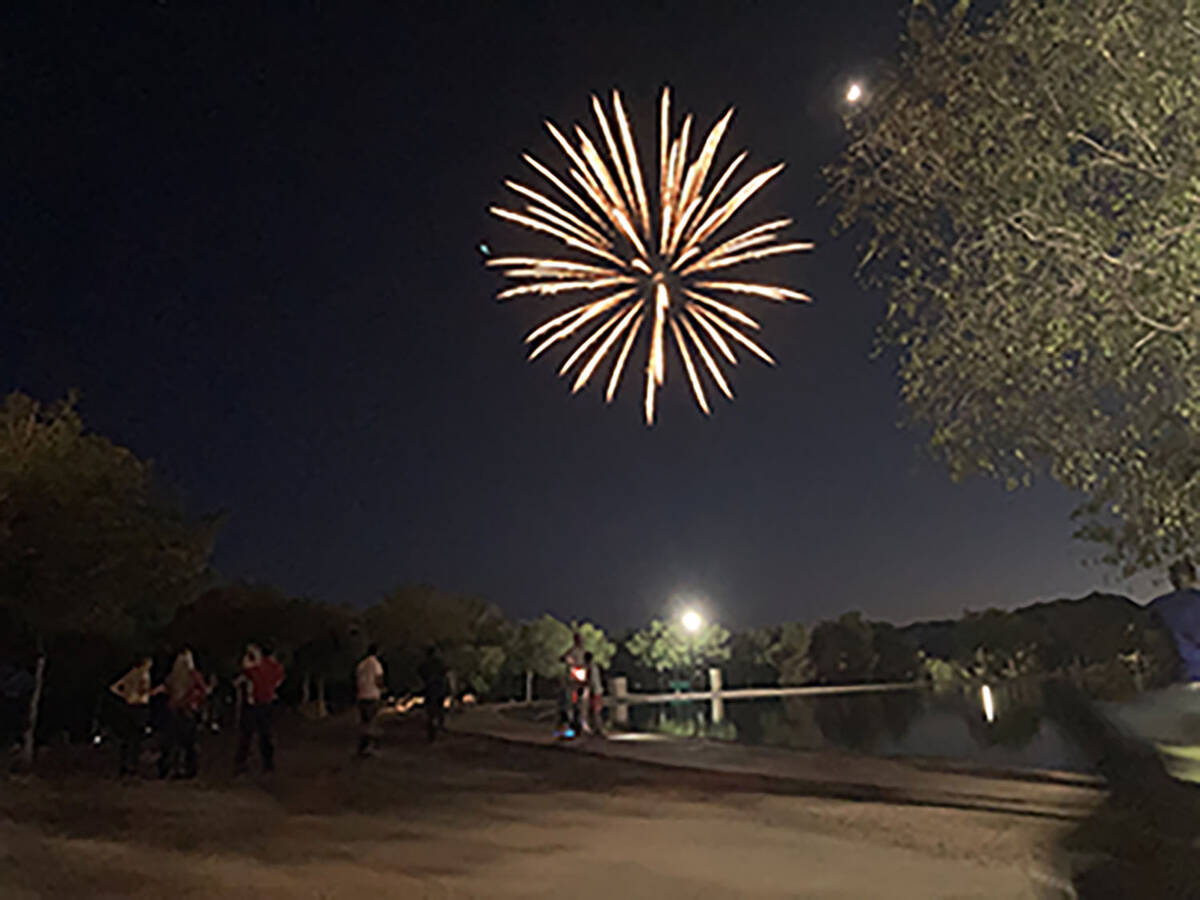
475,817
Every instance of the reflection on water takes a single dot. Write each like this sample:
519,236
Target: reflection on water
1004,726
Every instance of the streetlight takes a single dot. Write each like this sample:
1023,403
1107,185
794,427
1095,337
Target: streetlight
854,92
692,621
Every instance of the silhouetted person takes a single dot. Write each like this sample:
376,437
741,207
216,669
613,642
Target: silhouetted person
574,686
434,685
1179,611
187,693
368,680
132,713
595,696
263,675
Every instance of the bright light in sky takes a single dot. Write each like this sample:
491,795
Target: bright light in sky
692,621
854,92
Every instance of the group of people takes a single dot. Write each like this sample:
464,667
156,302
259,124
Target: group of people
180,704
369,688
581,704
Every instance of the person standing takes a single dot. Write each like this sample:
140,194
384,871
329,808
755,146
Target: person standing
1168,717
187,693
132,713
368,679
595,696
435,686
574,687
263,676
1179,611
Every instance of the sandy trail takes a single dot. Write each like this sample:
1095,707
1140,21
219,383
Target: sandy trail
476,817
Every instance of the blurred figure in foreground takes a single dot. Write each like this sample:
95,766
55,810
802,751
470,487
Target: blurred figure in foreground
1143,840
262,677
368,681
434,683
1169,718
132,713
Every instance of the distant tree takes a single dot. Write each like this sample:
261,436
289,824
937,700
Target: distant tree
749,664
471,633
842,650
789,654
996,644
896,656
596,642
671,648
776,654
88,545
537,649
328,644
219,623
1028,186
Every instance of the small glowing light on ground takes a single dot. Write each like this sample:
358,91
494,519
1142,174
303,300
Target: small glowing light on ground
854,92
989,705
692,621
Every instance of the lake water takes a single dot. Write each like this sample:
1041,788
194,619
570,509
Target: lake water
1010,731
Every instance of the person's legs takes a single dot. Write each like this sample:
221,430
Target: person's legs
246,728
131,741
168,751
266,745
597,711
435,716
188,726
364,724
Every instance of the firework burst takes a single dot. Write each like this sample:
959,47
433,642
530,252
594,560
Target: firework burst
652,264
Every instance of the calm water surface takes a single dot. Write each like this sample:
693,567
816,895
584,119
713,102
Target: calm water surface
919,723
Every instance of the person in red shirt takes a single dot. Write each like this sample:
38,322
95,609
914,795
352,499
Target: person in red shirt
263,675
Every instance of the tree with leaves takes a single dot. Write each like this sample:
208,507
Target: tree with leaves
88,544
537,649
538,646
471,633
776,654
843,650
1029,185
668,647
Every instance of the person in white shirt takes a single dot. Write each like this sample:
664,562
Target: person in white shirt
368,679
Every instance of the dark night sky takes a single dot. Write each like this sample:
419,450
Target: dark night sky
251,240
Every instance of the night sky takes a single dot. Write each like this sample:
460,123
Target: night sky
252,241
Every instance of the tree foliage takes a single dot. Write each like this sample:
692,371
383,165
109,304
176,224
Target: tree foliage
539,646
471,633
1030,187
668,647
776,654
851,650
93,557
87,543
596,642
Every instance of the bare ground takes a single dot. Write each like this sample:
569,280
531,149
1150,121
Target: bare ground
476,817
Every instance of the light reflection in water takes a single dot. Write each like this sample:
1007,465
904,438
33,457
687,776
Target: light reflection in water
989,705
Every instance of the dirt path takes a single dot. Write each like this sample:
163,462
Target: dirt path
476,817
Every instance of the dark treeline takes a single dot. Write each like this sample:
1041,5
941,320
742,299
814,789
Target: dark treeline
99,564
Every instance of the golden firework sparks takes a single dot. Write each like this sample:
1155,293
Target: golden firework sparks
651,265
